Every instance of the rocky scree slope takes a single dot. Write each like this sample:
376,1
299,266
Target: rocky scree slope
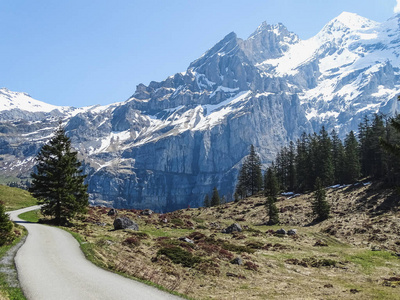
171,142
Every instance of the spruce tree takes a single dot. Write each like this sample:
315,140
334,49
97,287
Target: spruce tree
324,158
271,187
58,182
320,206
250,176
338,158
273,212
303,166
6,227
352,166
215,199
207,201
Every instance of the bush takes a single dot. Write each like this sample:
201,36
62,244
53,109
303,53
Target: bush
132,241
177,222
196,236
251,266
255,245
6,227
179,256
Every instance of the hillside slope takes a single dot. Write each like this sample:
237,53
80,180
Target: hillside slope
352,255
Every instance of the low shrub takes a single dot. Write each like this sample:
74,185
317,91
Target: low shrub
132,241
179,256
251,266
196,236
255,245
236,248
177,222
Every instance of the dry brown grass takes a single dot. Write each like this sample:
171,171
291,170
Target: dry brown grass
274,267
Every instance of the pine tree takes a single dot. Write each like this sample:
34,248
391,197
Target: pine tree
6,227
215,199
207,201
320,206
352,166
292,174
273,212
338,157
303,166
250,176
324,158
58,182
271,187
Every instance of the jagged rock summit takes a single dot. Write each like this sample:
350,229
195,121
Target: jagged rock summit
172,141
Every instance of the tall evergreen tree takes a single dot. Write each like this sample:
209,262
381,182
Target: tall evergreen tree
352,165
250,176
215,199
338,157
303,166
271,187
392,147
324,158
6,227
58,182
320,206
273,212
292,174
207,202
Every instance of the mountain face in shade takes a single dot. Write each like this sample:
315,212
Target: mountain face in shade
171,142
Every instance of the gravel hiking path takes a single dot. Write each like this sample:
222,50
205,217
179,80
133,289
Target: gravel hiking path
51,265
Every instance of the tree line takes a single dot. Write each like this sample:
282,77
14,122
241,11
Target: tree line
322,159
323,155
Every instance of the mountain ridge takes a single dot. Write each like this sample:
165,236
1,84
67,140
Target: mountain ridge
172,141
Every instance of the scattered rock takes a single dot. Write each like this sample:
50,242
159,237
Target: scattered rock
112,212
237,261
235,227
320,243
292,232
125,223
147,212
187,240
354,291
102,224
328,286
281,231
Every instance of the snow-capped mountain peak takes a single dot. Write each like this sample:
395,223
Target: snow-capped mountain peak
351,21
173,141
16,100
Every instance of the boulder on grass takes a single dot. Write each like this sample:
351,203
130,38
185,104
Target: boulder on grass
292,232
235,227
281,231
237,261
187,240
147,212
125,223
112,212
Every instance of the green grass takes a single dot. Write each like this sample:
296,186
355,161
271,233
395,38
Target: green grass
14,293
15,198
31,216
369,260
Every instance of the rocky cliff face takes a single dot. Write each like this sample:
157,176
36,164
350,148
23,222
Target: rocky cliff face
171,142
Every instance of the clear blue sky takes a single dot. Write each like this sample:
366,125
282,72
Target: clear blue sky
86,52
